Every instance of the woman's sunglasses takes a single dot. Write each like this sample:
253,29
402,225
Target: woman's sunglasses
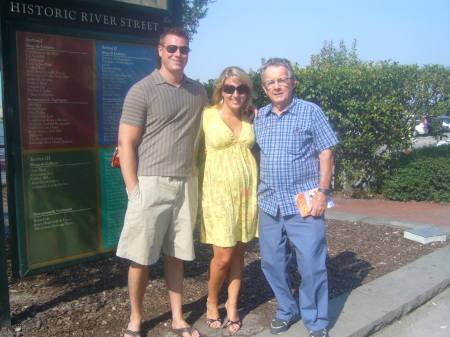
230,89
173,49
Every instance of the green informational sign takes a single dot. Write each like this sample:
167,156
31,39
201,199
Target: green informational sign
70,65
60,205
71,94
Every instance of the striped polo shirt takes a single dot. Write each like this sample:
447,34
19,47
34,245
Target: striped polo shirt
170,119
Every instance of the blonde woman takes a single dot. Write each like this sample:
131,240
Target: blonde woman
229,190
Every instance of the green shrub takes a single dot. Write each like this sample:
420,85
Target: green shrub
422,175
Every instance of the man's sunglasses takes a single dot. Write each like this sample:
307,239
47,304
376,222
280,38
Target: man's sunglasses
173,49
230,89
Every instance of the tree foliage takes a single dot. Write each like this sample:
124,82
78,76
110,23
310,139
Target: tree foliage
370,106
193,11
420,175
429,90
364,102
261,98
209,87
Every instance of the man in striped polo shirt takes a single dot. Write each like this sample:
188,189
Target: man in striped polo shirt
158,145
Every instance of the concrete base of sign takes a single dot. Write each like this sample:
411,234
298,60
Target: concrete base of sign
424,235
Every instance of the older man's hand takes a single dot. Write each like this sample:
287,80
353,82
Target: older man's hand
318,204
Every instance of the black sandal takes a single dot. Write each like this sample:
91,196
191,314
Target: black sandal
210,321
188,329
230,323
132,333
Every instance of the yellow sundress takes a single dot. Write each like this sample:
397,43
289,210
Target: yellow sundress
229,200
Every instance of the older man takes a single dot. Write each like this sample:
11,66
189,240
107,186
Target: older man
158,144
295,140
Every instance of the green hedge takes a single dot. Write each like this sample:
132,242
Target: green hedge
422,175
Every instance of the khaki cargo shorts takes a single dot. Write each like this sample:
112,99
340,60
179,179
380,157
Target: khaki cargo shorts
161,212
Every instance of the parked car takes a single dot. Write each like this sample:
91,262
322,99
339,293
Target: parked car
445,122
420,128
433,123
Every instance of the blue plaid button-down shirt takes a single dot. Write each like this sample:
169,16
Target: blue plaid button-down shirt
290,144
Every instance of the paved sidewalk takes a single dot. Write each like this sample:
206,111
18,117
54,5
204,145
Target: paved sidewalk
369,308
431,319
414,212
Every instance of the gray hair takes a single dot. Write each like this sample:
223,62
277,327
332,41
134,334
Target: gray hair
277,62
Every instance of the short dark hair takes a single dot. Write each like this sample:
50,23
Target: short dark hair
180,32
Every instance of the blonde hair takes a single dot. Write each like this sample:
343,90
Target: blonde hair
239,75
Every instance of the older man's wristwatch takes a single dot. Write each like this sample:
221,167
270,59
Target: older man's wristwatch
325,191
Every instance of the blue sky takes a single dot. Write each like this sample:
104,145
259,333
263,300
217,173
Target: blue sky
242,32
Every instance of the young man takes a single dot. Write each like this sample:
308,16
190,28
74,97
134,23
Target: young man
295,140
158,144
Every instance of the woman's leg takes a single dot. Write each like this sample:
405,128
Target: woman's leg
234,276
218,270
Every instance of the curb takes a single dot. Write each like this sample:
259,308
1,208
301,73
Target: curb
369,308
376,304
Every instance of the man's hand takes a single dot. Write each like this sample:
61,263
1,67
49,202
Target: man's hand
318,204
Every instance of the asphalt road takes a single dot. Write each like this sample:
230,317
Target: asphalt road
422,141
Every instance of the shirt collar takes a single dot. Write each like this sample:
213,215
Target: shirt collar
290,108
161,80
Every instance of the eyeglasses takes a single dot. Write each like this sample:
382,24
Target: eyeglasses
282,82
230,89
173,49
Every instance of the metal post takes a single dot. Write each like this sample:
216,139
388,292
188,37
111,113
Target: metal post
5,314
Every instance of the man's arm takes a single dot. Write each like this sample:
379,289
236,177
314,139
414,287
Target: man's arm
319,202
129,137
